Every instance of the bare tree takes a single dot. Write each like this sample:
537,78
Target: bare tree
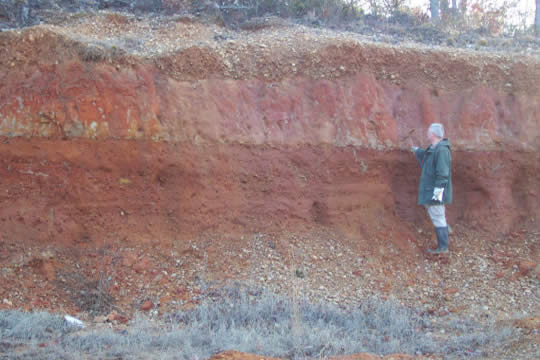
463,7
444,7
434,7
393,6
537,18
374,6
454,11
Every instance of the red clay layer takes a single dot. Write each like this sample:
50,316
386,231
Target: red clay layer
85,191
96,149
74,99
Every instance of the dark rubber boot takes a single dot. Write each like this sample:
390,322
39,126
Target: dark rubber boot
442,241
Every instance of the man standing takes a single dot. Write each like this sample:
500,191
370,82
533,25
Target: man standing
435,188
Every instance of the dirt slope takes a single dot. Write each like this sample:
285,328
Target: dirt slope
188,152
283,103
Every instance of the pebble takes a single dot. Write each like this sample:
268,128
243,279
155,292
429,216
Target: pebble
147,305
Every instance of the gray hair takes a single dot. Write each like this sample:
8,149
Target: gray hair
437,130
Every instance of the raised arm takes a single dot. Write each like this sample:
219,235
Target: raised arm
420,153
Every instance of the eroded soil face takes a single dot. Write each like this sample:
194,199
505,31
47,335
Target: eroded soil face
84,191
277,151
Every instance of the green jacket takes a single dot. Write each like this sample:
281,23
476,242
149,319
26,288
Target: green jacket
436,163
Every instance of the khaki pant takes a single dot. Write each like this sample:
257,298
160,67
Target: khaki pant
437,215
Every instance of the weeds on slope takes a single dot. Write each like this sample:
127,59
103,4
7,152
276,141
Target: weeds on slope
255,321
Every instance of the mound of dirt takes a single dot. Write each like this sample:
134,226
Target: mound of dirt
328,115
161,156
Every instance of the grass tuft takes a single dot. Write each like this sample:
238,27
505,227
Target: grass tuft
261,322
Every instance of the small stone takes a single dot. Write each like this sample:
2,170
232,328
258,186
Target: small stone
112,316
147,305
144,265
115,317
165,300
129,259
451,290
73,322
531,323
525,267
100,319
